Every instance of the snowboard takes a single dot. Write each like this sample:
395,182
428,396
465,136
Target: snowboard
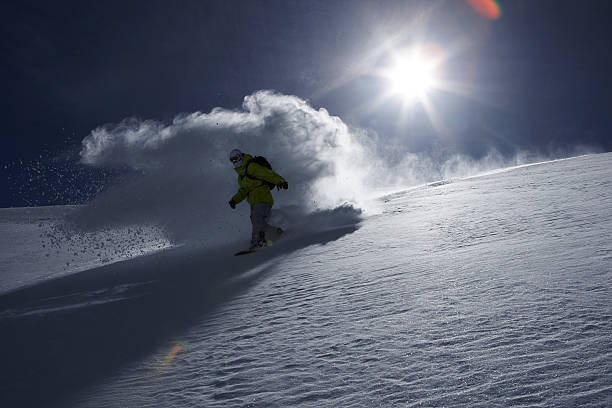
279,233
245,252
251,251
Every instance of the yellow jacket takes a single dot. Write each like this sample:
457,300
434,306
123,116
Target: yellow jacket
253,188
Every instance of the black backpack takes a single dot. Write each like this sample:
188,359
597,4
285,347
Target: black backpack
262,161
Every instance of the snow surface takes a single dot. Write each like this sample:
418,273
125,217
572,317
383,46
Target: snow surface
486,291
36,246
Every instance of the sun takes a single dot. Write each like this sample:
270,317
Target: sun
411,75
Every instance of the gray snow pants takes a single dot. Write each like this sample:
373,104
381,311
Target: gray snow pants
259,218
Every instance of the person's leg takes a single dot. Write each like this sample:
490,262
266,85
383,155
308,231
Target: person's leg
273,233
259,217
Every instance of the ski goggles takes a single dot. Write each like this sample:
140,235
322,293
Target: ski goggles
237,160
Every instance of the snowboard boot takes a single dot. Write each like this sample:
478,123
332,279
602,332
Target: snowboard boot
261,242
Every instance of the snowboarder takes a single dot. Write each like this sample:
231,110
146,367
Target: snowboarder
256,179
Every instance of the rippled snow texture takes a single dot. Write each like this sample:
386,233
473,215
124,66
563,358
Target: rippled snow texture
489,291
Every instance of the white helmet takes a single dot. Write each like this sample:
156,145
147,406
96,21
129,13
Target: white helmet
236,157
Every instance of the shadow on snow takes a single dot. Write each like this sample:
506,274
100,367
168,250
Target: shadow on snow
62,335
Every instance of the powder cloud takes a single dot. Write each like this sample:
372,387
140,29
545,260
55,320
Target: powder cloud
182,179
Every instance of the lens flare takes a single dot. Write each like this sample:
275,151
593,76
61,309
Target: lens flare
176,348
162,365
488,9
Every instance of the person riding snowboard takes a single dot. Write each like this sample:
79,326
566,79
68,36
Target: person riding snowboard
256,179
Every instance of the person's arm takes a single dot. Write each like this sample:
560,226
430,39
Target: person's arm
239,196
263,173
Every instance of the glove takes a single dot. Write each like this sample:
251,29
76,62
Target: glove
282,186
232,204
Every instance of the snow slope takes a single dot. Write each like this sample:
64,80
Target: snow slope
35,247
487,291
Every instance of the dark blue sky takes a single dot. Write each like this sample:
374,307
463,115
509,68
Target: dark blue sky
538,76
